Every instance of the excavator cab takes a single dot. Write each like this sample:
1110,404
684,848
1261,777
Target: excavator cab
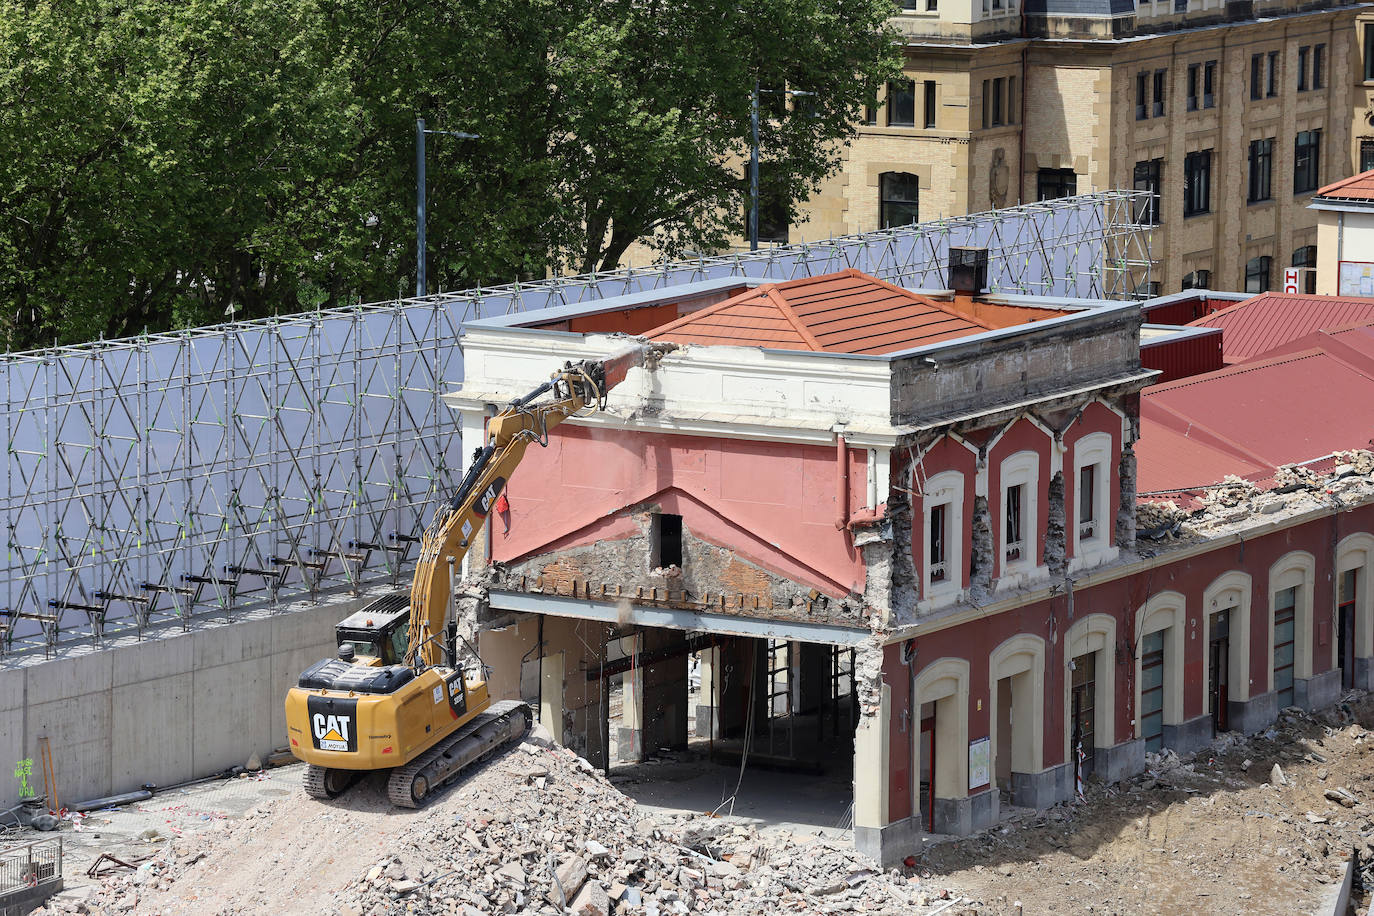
378,631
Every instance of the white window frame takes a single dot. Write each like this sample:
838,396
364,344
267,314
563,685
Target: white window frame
1020,469
943,489
1093,449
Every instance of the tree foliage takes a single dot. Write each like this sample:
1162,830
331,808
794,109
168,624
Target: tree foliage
169,164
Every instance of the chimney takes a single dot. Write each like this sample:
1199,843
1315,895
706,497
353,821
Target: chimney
968,270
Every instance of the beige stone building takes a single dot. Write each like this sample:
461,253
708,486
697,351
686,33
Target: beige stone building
1234,113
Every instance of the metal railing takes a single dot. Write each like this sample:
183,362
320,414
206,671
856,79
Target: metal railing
31,864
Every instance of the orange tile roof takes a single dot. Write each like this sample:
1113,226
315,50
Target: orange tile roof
1356,187
844,312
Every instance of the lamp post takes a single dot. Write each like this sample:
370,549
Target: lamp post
420,131
754,158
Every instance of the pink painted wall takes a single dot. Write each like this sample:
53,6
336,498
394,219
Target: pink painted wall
975,641
773,504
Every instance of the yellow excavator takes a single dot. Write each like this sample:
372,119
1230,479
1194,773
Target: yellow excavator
396,697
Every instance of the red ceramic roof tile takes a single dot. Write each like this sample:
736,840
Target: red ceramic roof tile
845,312
1356,187
1270,320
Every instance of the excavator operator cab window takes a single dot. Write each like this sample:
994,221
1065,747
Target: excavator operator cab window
395,649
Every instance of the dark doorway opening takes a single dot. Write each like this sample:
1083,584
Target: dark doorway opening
1083,707
1218,672
1345,628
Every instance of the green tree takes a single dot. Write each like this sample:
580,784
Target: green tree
170,164
652,128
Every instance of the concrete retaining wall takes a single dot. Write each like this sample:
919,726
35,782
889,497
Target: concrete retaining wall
175,706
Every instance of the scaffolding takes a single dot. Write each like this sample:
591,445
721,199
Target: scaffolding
167,479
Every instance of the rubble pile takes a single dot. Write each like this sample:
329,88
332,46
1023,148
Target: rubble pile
536,831
1237,502
559,838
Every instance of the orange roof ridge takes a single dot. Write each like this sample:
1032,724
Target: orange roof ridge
1363,180
947,308
710,309
794,319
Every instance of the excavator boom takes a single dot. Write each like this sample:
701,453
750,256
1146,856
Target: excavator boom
526,420
409,708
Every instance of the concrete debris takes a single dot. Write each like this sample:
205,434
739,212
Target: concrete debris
1276,777
1236,503
499,844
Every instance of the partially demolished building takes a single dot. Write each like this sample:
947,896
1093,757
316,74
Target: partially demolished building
910,519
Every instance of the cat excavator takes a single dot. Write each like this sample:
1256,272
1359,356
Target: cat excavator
396,697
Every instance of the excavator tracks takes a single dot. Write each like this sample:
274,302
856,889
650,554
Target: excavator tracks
410,785
325,783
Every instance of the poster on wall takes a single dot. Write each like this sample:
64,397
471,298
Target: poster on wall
979,763
1356,278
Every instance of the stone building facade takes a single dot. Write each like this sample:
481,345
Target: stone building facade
1233,112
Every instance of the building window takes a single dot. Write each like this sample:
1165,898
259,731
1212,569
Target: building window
1014,542
911,5
1256,75
901,103
1092,455
1366,155
1285,640
1209,84
899,198
1052,183
1020,526
1306,256
1012,109
930,103
939,521
1302,68
1194,72
1197,183
871,115
1147,175
1261,170
943,498
1306,159
1198,279
1087,502
1271,84
1318,67
999,89
932,6
1142,85
1369,53
1257,274
1158,109
667,531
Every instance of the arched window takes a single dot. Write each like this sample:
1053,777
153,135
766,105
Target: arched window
1257,274
899,193
1306,256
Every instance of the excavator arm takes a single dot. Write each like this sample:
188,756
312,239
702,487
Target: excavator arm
526,420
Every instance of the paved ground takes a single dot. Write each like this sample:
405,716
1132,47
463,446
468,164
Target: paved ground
125,832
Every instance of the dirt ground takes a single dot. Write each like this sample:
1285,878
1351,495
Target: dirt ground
1209,835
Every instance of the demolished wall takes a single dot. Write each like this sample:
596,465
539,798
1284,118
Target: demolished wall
710,577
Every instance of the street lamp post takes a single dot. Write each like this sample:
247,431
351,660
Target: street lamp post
754,158
420,131
754,171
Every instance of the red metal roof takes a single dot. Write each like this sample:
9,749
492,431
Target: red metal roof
1270,320
845,312
1248,419
1356,187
